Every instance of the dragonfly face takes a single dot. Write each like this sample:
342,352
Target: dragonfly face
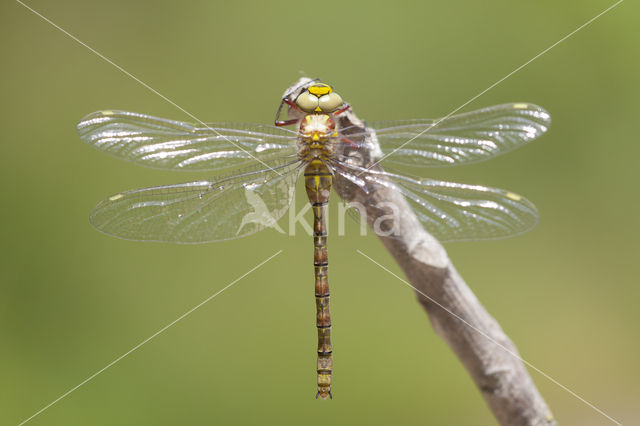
319,98
311,97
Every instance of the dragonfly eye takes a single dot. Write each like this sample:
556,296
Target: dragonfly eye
307,102
330,102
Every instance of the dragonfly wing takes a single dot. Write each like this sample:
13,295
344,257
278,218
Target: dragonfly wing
463,138
167,144
202,211
455,211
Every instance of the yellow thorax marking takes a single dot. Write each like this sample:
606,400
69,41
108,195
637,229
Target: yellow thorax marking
320,89
322,117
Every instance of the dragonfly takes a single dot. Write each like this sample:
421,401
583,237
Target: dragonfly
264,163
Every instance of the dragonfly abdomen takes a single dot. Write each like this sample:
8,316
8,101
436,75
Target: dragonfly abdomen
318,180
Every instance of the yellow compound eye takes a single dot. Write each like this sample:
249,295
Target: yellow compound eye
330,102
307,102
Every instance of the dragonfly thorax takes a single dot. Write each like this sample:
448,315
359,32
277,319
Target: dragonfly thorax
316,136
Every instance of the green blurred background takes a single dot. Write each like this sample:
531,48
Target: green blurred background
72,299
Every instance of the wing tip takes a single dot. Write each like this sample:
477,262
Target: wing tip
540,114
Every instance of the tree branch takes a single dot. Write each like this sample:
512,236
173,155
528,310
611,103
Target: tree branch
457,316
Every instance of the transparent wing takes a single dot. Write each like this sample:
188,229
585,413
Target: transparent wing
463,138
202,211
167,144
455,211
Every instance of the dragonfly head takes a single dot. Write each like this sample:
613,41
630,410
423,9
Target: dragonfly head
319,97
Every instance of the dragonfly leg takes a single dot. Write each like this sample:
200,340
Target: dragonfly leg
281,123
291,104
349,142
346,107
